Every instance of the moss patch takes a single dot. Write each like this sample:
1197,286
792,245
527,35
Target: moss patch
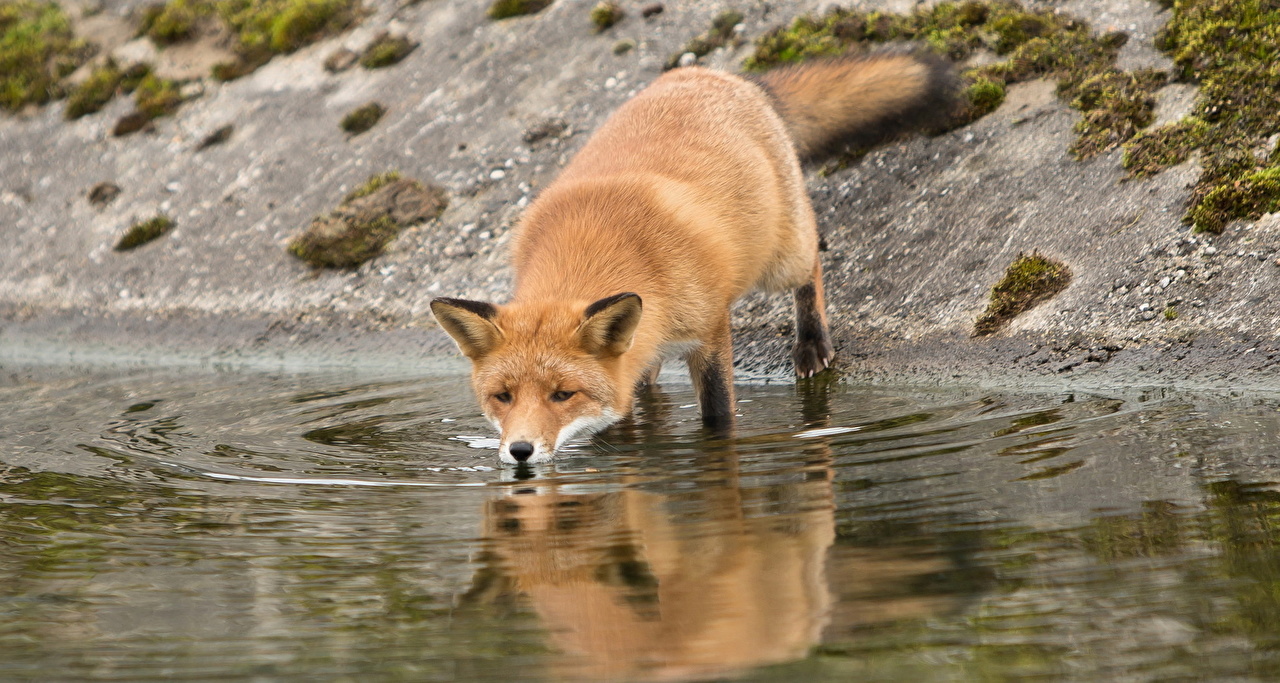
1156,149
37,49
153,97
1116,106
1034,43
719,35
1248,196
373,184
367,220
1232,49
140,233
386,50
95,92
282,26
362,118
605,14
157,96
174,21
505,9
1029,281
259,28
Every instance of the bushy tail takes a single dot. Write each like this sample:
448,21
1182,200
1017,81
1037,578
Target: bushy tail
857,100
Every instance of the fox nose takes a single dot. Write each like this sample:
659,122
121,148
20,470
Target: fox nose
521,450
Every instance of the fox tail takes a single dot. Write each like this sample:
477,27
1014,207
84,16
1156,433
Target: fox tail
857,100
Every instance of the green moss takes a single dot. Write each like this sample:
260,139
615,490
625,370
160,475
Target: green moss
259,28
141,233
605,14
95,92
719,35
1247,197
1170,313
982,96
1116,106
37,49
1232,49
623,46
386,50
157,96
1151,151
281,26
361,242
174,21
373,184
505,9
367,220
1028,281
362,118
1034,44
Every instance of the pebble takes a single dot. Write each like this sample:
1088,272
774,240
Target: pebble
1147,315
1210,251
497,174
1164,282
688,59
651,10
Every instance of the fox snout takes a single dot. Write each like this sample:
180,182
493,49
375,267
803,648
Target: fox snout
523,451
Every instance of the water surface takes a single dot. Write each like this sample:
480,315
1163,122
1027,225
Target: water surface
190,525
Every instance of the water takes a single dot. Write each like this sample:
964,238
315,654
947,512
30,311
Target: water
190,525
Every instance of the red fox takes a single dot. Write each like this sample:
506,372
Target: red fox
688,197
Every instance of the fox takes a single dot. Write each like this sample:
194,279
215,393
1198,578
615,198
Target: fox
689,196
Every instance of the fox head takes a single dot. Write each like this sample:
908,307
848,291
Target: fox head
545,371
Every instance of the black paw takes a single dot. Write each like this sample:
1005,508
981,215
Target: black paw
812,356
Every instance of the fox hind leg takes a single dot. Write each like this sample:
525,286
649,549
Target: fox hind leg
812,352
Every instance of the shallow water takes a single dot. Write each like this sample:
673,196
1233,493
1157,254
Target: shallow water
196,525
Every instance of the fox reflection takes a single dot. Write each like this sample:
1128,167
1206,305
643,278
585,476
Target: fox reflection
639,584
643,585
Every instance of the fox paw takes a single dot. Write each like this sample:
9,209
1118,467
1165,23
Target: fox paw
812,356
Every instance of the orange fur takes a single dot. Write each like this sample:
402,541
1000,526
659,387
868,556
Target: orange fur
689,196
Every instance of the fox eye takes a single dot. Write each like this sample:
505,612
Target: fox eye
561,396
504,397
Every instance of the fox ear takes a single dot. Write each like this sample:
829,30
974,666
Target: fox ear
470,323
609,324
